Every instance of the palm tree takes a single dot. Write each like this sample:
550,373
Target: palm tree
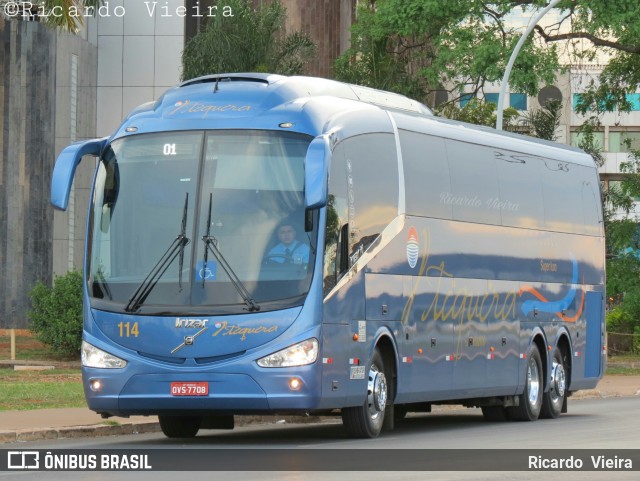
65,14
250,41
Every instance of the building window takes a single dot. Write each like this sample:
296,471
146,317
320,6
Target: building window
598,137
634,100
518,101
622,141
464,99
493,98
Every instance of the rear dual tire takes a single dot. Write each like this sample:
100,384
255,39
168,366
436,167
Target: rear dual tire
530,401
553,400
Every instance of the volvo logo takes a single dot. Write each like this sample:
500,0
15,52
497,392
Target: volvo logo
189,340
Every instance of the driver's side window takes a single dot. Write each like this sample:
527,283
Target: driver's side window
337,226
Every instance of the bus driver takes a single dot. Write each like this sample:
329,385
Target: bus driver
289,250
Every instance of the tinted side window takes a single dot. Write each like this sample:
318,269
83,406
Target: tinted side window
426,175
562,197
591,202
475,196
520,190
372,183
336,231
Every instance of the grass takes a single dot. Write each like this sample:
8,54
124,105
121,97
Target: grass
632,369
28,348
625,358
55,388
111,423
623,371
25,390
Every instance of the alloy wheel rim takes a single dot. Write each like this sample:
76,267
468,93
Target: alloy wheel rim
533,389
376,392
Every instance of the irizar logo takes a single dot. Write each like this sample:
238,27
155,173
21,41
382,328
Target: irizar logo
191,323
413,247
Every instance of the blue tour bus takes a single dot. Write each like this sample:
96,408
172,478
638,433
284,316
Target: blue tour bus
267,244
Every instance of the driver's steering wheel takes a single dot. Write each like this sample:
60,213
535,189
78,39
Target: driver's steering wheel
270,259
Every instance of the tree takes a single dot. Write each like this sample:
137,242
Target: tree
250,41
543,122
417,47
479,112
66,14
56,317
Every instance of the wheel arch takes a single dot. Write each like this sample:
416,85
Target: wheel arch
539,340
564,345
386,344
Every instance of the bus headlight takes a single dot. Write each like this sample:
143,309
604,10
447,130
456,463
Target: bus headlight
94,357
301,354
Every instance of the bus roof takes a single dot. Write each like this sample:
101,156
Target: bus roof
311,105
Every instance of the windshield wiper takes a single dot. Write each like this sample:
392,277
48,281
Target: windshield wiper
176,248
211,244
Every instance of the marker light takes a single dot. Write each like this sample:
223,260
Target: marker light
301,354
93,357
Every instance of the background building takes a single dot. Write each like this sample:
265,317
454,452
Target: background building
48,100
60,88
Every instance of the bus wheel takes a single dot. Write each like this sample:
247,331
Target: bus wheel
553,400
530,401
180,426
366,421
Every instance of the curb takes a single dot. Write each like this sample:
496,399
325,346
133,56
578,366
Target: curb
90,431
98,430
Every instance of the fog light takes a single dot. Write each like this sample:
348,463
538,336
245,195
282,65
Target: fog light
295,384
95,385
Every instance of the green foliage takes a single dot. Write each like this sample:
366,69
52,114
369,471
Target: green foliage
617,20
66,14
588,141
543,123
479,112
249,41
624,319
380,58
56,317
623,277
416,47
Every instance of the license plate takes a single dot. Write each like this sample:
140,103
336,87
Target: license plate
189,388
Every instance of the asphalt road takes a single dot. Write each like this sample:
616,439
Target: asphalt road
593,426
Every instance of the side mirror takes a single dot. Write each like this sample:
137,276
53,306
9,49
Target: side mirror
316,172
65,169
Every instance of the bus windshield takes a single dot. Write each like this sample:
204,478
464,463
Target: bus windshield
201,222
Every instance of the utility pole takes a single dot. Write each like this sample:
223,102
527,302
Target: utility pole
514,54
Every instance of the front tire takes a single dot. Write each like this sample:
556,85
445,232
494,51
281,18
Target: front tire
180,426
366,421
554,398
530,401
